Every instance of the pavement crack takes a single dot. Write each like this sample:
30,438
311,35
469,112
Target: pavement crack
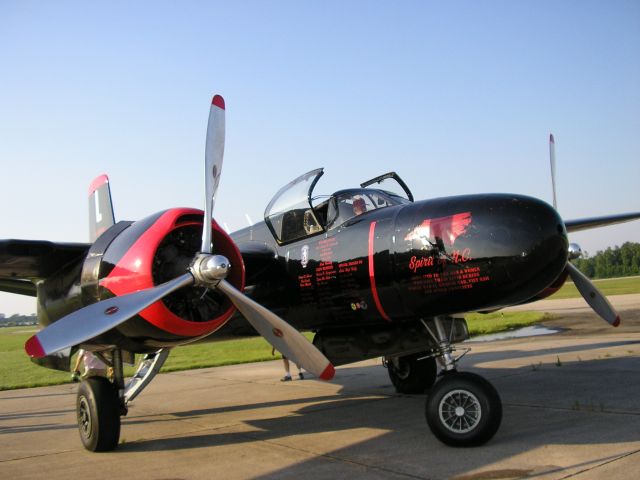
583,409
608,462
29,457
335,458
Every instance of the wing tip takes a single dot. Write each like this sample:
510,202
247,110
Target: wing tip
328,373
218,101
34,348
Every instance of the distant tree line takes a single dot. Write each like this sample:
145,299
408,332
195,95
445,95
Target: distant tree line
621,261
18,319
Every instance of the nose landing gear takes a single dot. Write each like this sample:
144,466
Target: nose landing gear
462,409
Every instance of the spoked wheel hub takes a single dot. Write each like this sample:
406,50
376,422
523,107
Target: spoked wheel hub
460,411
84,417
463,409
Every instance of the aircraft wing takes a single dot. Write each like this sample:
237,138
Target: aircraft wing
594,222
24,262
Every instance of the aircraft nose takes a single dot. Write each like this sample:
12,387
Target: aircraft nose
478,252
524,242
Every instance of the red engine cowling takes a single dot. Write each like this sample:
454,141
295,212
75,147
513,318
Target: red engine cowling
139,255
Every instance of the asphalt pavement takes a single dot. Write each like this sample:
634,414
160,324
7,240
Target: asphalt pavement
571,410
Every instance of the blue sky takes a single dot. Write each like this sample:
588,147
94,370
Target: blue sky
457,97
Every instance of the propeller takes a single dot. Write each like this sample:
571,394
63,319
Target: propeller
213,156
552,161
594,297
207,270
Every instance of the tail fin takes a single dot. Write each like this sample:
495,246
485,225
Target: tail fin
100,207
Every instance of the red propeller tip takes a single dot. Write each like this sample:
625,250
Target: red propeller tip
328,373
33,348
616,322
218,101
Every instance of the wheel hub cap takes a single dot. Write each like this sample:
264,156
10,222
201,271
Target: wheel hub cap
84,418
460,411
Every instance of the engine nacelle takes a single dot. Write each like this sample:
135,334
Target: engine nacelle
132,256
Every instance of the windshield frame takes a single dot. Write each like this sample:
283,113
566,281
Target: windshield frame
290,215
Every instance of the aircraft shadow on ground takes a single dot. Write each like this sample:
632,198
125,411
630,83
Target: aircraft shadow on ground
482,357
403,436
4,430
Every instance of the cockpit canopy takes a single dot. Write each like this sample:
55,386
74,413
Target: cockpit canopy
293,213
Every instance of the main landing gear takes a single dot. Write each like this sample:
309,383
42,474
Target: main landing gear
462,409
101,402
415,373
97,407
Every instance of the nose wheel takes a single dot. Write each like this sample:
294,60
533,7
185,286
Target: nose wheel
462,409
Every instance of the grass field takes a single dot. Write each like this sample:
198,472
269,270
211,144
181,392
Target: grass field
608,286
16,371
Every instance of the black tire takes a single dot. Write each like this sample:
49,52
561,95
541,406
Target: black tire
410,375
97,408
463,410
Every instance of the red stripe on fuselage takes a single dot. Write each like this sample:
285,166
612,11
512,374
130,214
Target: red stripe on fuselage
372,275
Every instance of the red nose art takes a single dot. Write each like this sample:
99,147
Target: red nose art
134,272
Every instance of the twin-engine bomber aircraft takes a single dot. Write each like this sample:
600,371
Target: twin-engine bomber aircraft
372,273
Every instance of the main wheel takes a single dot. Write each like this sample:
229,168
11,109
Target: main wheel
463,409
97,407
410,375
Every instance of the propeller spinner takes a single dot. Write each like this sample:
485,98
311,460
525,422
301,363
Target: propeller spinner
206,270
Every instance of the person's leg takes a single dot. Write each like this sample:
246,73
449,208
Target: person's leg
287,371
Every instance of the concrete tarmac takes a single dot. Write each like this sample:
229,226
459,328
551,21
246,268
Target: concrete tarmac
571,410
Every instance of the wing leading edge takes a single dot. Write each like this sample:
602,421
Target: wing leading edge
594,222
25,262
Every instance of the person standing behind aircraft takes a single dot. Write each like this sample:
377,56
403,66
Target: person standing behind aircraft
287,368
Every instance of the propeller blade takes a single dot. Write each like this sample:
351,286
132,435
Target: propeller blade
213,155
593,296
97,318
552,160
286,339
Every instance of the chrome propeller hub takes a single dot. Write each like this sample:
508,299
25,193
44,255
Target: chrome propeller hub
209,269
574,251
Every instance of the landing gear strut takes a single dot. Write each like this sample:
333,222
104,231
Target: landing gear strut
462,409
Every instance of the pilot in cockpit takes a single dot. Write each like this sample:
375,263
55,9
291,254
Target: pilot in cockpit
359,206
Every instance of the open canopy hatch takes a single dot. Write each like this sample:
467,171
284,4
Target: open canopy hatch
291,214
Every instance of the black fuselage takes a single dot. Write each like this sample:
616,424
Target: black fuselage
417,260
